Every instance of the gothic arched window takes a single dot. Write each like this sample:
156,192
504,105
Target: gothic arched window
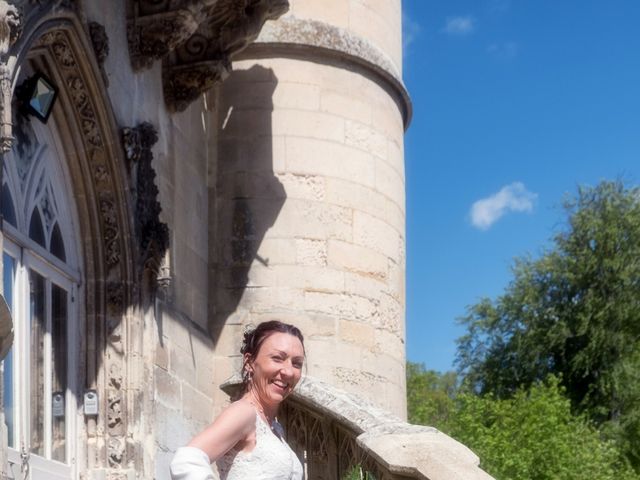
41,275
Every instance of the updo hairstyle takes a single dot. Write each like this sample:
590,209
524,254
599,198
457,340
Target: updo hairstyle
254,338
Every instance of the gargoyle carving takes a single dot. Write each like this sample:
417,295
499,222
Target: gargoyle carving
195,39
205,59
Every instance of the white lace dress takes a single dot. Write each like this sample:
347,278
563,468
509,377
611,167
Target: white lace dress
271,459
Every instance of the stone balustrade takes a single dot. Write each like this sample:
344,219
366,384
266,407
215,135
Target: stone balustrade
333,431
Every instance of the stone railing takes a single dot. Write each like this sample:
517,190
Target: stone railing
333,431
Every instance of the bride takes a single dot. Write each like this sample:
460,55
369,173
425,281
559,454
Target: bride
246,441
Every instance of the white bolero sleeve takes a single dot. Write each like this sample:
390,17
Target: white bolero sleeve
190,463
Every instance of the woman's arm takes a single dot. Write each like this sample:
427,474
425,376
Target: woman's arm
233,425
194,461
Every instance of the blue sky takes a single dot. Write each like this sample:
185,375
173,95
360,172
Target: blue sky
516,103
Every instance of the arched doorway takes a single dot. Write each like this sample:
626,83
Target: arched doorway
41,276
68,271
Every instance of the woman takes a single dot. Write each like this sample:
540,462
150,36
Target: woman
246,441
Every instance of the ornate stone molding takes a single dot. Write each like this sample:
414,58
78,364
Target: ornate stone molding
10,30
205,59
195,39
155,28
111,295
100,42
10,26
306,37
152,234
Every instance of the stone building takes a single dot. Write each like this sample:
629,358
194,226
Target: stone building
167,201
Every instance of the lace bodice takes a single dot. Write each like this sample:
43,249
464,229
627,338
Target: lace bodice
271,459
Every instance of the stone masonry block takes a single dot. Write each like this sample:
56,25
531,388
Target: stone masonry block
366,138
311,252
197,406
311,278
257,121
335,12
373,233
351,307
395,156
296,96
391,344
278,251
171,429
364,285
356,258
312,220
300,123
260,300
359,333
389,183
346,105
307,187
167,388
182,365
251,154
330,159
365,199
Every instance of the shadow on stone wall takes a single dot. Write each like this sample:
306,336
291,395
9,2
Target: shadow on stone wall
248,195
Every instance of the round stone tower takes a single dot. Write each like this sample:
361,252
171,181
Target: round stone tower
310,198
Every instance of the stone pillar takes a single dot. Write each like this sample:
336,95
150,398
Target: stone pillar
311,193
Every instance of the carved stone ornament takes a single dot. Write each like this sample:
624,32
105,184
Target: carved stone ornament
205,59
10,26
100,41
155,28
60,46
10,30
153,235
195,39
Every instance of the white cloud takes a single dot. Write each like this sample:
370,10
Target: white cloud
514,197
507,50
460,25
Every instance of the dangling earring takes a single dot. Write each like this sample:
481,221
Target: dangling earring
247,376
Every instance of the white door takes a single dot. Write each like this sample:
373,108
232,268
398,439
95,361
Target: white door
40,280
40,403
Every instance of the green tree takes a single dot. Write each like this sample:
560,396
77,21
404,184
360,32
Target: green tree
573,312
534,435
531,435
430,395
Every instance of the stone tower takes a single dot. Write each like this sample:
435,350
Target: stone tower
309,194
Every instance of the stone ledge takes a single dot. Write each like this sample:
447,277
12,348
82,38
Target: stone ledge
290,35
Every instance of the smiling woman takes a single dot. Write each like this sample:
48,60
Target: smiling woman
246,440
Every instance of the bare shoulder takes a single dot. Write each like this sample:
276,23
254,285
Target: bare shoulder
241,413
233,425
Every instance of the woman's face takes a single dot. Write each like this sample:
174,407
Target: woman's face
277,367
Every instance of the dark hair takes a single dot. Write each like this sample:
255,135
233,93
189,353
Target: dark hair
254,338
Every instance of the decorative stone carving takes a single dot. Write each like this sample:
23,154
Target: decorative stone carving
10,30
155,28
100,41
184,84
59,44
205,59
152,234
10,26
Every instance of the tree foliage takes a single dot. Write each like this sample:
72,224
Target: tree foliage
430,395
574,313
532,435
